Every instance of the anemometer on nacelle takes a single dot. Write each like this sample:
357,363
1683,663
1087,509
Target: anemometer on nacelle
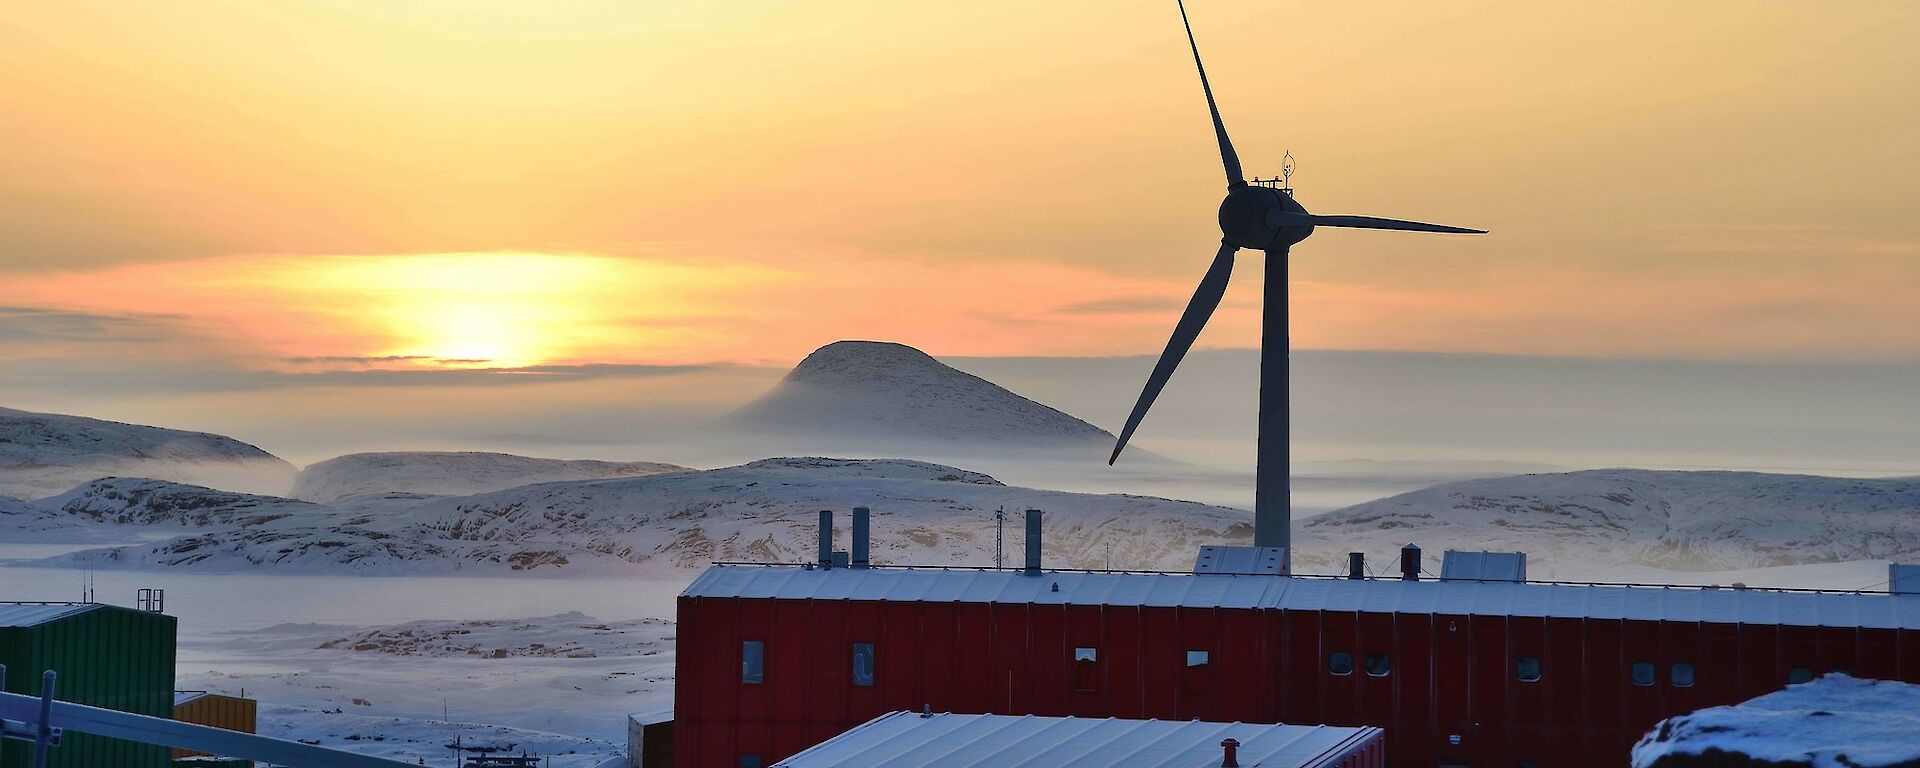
1283,182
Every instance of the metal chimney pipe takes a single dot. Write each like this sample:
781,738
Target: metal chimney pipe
1231,758
1410,563
859,557
1033,542
1356,565
826,538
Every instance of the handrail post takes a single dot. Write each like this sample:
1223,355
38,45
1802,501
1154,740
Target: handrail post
43,740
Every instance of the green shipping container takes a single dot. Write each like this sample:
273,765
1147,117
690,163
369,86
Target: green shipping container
107,656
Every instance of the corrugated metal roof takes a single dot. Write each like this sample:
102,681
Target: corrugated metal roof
1483,566
1005,741
35,614
1748,606
182,697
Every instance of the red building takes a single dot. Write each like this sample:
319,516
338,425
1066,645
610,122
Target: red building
774,659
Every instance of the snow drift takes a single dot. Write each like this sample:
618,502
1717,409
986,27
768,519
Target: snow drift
1835,721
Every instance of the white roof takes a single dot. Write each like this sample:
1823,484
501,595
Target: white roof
1484,566
34,614
1218,558
1747,606
1006,741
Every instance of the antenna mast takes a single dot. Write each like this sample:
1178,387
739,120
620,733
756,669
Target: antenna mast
999,538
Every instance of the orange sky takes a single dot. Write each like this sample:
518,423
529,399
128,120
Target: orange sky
434,183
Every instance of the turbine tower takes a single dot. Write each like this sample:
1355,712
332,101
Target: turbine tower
1262,216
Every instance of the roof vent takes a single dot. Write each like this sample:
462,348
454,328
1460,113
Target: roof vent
1483,566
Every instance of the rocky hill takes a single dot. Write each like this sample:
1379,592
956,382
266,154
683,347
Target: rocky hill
851,390
924,514
1689,521
447,473
46,453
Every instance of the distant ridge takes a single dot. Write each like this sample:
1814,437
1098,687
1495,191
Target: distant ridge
46,453
892,392
451,473
1688,521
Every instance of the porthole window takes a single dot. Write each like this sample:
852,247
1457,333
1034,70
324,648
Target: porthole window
1799,674
1527,669
1681,674
1340,663
753,655
863,665
1643,673
1378,664
1196,659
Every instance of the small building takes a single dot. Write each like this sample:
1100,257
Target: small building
1028,741
650,739
215,710
105,656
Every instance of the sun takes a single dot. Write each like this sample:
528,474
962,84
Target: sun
492,310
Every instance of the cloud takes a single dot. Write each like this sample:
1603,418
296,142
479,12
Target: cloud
36,325
1121,305
353,359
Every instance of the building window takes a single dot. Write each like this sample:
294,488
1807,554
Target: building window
753,659
1378,664
1799,674
1527,669
1196,659
1086,669
863,664
1340,663
1681,674
1527,764
1643,673
749,760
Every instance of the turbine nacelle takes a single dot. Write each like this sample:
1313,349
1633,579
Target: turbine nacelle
1263,219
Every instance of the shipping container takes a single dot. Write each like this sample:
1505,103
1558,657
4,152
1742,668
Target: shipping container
105,656
217,711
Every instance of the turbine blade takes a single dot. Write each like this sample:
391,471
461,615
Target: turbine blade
1199,309
1227,155
1366,222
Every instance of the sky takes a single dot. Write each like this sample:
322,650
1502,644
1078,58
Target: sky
305,188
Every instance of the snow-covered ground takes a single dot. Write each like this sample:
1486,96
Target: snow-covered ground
1835,721
555,685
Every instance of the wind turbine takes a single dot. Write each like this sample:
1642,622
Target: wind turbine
1262,216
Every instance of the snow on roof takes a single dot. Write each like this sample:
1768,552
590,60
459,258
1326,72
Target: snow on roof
1730,606
1834,721
182,697
35,614
1006,741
